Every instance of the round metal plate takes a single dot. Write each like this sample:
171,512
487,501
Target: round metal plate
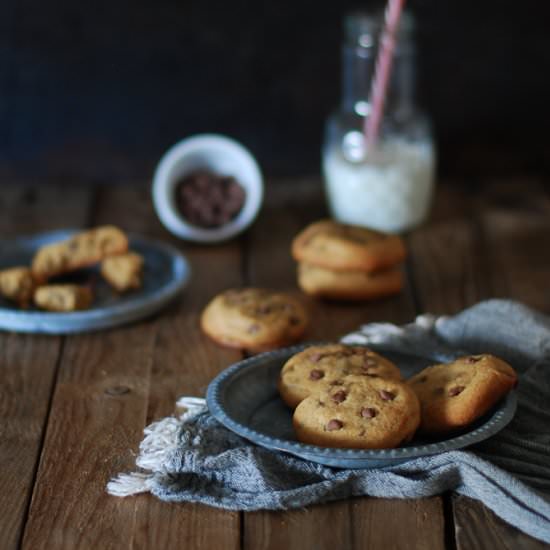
244,398
165,274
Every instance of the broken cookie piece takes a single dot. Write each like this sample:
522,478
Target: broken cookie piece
63,298
82,250
17,285
124,271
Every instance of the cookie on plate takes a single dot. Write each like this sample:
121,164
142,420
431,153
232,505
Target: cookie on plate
360,413
17,284
63,298
453,395
329,364
82,250
255,319
348,285
343,247
123,271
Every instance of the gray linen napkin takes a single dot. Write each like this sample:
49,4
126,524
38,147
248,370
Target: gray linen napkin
193,458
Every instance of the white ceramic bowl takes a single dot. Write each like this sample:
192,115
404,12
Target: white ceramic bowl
218,154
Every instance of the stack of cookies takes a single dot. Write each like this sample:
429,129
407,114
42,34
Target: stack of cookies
347,262
40,283
351,397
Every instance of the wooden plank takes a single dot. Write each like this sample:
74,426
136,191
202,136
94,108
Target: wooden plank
477,527
111,385
184,362
341,524
28,363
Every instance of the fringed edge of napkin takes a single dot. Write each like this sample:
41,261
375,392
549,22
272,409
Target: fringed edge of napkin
160,441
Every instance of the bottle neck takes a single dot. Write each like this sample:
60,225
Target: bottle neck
358,64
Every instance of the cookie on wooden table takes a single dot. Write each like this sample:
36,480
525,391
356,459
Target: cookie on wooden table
254,318
342,247
454,395
123,271
348,285
82,250
360,413
63,298
309,369
17,284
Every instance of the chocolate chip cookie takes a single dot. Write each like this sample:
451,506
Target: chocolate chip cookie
123,271
306,371
63,298
341,247
255,319
17,284
455,394
348,285
82,250
360,413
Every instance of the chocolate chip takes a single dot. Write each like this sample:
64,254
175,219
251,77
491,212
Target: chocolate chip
371,375
336,383
456,390
314,357
473,359
386,395
334,424
264,309
421,380
339,396
320,404
368,412
316,374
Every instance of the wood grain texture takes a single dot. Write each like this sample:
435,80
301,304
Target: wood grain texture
478,528
183,363
28,363
348,523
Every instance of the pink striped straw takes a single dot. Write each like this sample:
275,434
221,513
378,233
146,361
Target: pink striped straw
382,71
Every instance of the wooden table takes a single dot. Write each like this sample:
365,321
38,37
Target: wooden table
74,408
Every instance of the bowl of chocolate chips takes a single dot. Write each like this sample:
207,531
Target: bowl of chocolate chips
207,188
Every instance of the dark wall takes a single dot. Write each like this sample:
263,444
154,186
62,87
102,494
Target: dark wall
99,90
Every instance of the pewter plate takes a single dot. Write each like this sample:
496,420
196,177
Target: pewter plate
244,398
165,274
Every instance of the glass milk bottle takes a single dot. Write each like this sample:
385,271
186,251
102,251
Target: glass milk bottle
388,187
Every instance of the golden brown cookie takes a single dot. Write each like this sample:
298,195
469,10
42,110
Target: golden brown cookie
306,371
63,298
82,250
360,413
455,394
123,271
348,285
342,247
255,319
17,284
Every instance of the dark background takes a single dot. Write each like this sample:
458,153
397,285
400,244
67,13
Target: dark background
97,91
